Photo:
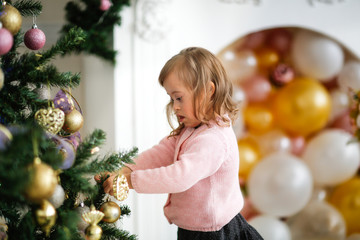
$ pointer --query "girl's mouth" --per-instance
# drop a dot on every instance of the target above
(181, 118)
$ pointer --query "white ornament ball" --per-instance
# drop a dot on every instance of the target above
(58, 197)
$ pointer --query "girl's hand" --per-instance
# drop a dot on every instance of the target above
(109, 179)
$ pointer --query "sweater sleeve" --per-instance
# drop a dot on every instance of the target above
(201, 158)
(159, 155)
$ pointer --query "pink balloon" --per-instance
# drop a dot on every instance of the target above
(280, 39)
(345, 122)
(257, 88)
(297, 145)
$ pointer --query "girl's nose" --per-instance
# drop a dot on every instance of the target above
(176, 107)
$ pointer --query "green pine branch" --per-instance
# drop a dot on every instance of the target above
(28, 8)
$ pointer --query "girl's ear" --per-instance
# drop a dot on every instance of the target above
(212, 88)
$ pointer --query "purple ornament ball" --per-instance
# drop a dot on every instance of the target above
(63, 102)
(66, 149)
(6, 41)
(34, 39)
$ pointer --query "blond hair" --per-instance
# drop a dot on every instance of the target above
(198, 67)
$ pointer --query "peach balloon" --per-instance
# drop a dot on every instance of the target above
(258, 118)
(248, 155)
(302, 106)
(257, 88)
(346, 198)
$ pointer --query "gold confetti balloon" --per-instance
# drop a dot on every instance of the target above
(43, 180)
(10, 18)
(73, 121)
(111, 211)
(45, 216)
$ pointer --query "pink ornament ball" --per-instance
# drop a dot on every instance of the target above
(105, 5)
(34, 39)
(6, 41)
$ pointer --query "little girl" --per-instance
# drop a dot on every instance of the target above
(198, 163)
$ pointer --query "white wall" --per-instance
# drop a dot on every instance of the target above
(140, 102)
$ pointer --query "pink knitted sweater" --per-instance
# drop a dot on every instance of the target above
(199, 170)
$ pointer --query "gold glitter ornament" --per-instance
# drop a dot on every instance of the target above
(51, 119)
(111, 211)
(10, 18)
(120, 188)
(93, 231)
(45, 216)
(73, 121)
(42, 183)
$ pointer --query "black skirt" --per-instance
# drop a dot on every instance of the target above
(236, 229)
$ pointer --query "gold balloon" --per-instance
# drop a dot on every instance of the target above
(249, 156)
(42, 183)
(73, 121)
(346, 198)
(10, 18)
(267, 57)
(45, 216)
(258, 118)
(302, 107)
(111, 211)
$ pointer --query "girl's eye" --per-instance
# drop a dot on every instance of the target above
(178, 99)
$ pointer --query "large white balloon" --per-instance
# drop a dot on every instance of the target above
(318, 220)
(280, 185)
(270, 228)
(331, 158)
(316, 56)
(349, 76)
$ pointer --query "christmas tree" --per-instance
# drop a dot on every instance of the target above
(45, 165)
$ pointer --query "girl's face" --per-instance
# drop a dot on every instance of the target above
(182, 99)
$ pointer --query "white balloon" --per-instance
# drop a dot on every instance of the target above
(318, 220)
(270, 228)
(239, 65)
(316, 56)
(331, 158)
(280, 185)
(272, 141)
(340, 103)
(349, 76)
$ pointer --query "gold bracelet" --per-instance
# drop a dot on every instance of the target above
(120, 187)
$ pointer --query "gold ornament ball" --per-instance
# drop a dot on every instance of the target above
(111, 211)
(10, 18)
(73, 121)
(43, 181)
(93, 232)
(45, 216)
(2, 78)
